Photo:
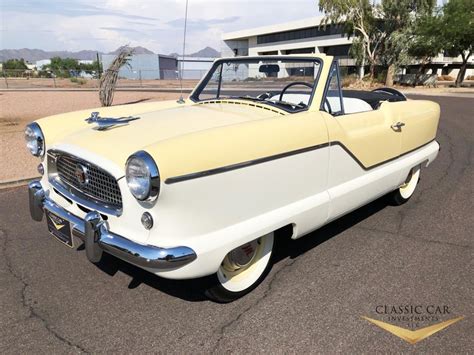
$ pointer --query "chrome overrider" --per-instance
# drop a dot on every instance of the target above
(93, 230)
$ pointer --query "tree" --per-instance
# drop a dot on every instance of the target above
(360, 18)
(399, 19)
(457, 32)
(62, 67)
(15, 64)
(426, 43)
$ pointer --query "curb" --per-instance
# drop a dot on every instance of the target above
(16, 183)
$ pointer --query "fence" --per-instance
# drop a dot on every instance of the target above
(27, 79)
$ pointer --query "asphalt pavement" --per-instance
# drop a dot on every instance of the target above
(52, 300)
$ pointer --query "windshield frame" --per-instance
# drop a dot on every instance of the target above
(194, 96)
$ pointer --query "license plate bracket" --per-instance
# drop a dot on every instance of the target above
(60, 228)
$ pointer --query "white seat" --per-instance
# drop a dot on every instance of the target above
(293, 98)
(351, 105)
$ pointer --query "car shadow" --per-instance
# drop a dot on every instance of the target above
(136, 101)
(192, 290)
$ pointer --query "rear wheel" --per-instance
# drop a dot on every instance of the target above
(242, 270)
(404, 192)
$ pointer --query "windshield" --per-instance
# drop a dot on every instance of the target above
(286, 83)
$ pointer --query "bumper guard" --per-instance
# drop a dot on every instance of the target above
(97, 238)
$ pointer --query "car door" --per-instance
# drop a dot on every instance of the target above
(361, 145)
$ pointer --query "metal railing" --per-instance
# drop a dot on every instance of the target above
(139, 78)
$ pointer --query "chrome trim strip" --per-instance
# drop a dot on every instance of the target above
(94, 231)
(200, 174)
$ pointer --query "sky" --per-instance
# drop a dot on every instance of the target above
(105, 25)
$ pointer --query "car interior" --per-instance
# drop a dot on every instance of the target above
(354, 101)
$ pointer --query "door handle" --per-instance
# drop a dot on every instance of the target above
(397, 126)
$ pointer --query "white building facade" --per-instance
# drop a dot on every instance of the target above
(297, 37)
(307, 36)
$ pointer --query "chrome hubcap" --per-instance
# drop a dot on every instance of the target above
(242, 256)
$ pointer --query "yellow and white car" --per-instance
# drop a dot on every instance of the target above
(200, 188)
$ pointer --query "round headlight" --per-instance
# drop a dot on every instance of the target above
(34, 139)
(142, 176)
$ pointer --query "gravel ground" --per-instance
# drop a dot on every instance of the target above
(19, 108)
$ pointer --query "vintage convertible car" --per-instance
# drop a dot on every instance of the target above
(200, 188)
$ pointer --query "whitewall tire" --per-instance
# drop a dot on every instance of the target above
(404, 192)
(242, 270)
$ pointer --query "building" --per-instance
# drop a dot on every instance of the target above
(41, 63)
(145, 66)
(298, 37)
(307, 36)
(194, 67)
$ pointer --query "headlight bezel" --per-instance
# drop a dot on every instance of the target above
(38, 135)
(154, 176)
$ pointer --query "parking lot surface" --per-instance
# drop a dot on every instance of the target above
(52, 300)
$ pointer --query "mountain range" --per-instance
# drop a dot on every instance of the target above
(32, 55)
(207, 52)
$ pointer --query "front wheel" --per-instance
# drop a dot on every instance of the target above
(242, 270)
(404, 192)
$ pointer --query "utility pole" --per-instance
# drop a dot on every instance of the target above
(98, 65)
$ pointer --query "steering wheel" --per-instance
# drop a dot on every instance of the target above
(265, 95)
(293, 84)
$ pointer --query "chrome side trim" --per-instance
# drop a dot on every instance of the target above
(94, 231)
(200, 174)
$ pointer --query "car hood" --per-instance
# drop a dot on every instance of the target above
(117, 143)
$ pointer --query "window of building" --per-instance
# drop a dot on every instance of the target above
(268, 53)
(299, 34)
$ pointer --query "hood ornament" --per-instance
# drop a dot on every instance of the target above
(104, 123)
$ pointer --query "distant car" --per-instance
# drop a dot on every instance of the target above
(263, 144)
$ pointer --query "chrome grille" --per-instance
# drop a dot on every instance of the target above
(101, 186)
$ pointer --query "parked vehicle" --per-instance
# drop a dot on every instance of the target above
(262, 144)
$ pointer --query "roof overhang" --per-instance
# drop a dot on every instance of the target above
(287, 26)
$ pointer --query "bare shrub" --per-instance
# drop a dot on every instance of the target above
(108, 81)
(445, 78)
(349, 80)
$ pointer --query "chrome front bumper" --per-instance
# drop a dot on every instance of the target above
(97, 238)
